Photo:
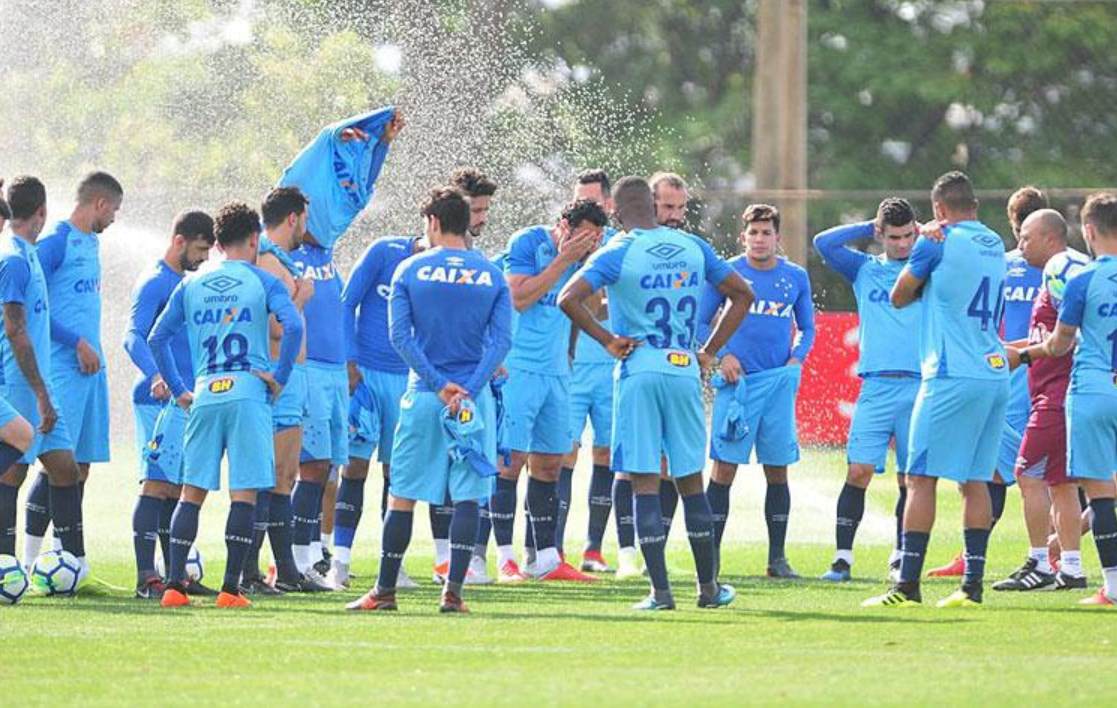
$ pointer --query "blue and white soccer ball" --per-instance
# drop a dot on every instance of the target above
(13, 580)
(194, 568)
(1060, 269)
(56, 573)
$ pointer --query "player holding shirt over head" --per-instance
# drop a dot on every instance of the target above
(191, 239)
(537, 396)
(761, 369)
(25, 351)
(450, 313)
(654, 278)
(964, 388)
(225, 311)
(888, 366)
(70, 255)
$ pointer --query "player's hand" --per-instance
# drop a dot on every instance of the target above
(706, 361)
(304, 290)
(395, 125)
(933, 230)
(452, 395)
(185, 400)
(88, 360)
(731, 369)
(48, 417)
(1013, 357)
(354, 133)
(355, 377)
(160, 391)
(620, 347)
(793, 361)
(500, 373)
(574, 246)
(274, 387)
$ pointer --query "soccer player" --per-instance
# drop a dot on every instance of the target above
(1041, 467)
(70, 255)
(29, 388)
(478, 189)
(888, 366)
(761, 369)
(191, 239)
(959, 412)
(654, 279)
(537, 396)
(225, 312)
(1088, 316)
(450, 313)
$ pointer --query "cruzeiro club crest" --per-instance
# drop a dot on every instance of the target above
(221, 284)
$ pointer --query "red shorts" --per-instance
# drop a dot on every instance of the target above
(1043, 451)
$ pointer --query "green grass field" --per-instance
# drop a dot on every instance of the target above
(797, 642)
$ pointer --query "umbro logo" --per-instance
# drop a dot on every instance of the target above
(665, 251)
(221, 284)
(987, 240)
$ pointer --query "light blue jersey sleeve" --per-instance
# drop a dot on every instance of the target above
(716, 269)
(497, 343)
(364, 275)
(402, 334)
(604, 266)
(15, 273)
(925, 257)
(521, 254)
(804, 318)
(831, 245)
(52, 252)
(1073, 309)
(280, 305)
(145, 308)
(172, 319)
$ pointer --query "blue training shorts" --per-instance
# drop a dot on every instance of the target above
(240, 430)
(144, 415)
(956, 428)
(7, 412)
(654, 415)
(289, 409)
(22, 399)
(537, 413)
(882, 414)
(769, 403)
(421, 467)
(1092, 436)
(161, 459)
(326, 425)
(84, 401)
(591, 396)
(387, 388)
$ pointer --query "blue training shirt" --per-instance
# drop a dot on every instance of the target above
(1022, 286)
(22, 281)
(150, 296)
(224, 311)
(654, 279)
(71, 261)
(1090, 303)
(325, 330)
(588, 350)
(886, 333)
(366, 304)
(963, 300)
(783, 298)
(450, 317)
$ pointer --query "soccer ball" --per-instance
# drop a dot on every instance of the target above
(194, 568)
(56, 573)
(1061, 268)
(13, 580)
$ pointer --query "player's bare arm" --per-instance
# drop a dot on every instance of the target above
(739, 298)
(1058, 343)
(907, 289)
(527, 289)
(573, 299)
(15, 329)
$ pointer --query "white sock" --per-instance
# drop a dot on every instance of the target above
(55, 543)
(325, 540)
(895, 556)
(302, 557)
(342, 555)
(846, 556)
(505, 554)
(627, 553)
(1110, 581)
(32, 545)
(1039, 555)
(441, 550)
(1071, 563)
(315, 552)
(546, 560)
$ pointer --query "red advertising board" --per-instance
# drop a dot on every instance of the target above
(830, 384)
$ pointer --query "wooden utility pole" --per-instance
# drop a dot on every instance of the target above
(779, 127)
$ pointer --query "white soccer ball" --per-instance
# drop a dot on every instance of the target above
(56, 573)
(13, 580)
(194, 568)
(1060, 269)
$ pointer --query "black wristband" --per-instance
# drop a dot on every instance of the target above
(1025, 357)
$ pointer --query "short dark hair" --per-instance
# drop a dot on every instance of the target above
(762, 212)
(955, 190)
(194, 224)
(448, 205)
(1022, 203)
(669, 178)
(1100, 211)
(235, 223)
(596, 177)
(26, 195)
(280, 203)
(98, 184)
(894, 211)
(582, 210)
(472, 182)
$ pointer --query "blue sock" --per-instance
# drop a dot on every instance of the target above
(484, 528)
(393, 544)
(700, 531)
(384, 491)
(976, 543)
(38, 506)
(997, 493)
(184, 529)
(65, 512)
(166, 511)
(306, 505)
(913, 551)
(463, 534)
(347, 511)
(8, 508)
(718, 496)
(564, 490)
(529, 534)
(600, 504)
(851, 509)
(653, 538)
(622, 509)
(1104, 528)
(502, 509)
(440, 516)
(145, 532)
(261, 517)
(542, 504)
(777, 506)
(280, 528)
(668, 502)
(238, 541)
(901, 504)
